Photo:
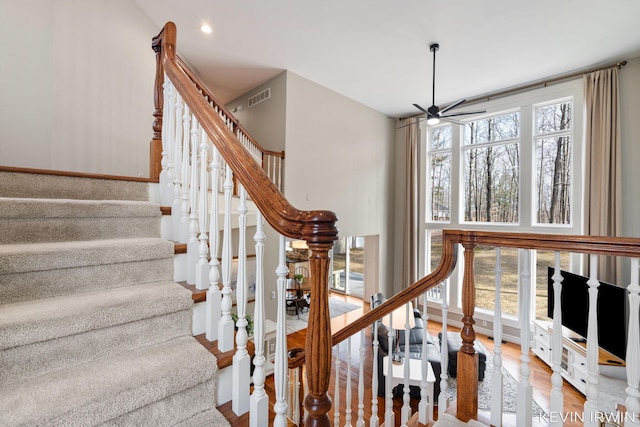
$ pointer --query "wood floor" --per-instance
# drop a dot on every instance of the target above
(540, 377)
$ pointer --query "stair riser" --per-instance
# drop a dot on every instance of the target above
(32, 285)
(29, 361)
(17, 184)
(37, 230)
(117, 386)
(171, 410)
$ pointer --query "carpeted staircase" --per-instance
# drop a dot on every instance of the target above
(93, 330)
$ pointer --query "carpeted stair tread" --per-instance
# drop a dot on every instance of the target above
(108, 388)
(52, 186)
(31, 285)
(11, 207)
(20, 258)
(40, 358)
(41, 320)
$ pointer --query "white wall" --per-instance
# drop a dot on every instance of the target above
(340, 157)
(76, 79)
(630, 129)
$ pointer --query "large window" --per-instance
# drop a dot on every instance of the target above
(515, 168)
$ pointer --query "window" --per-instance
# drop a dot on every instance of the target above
(515, 168)
(492, 168)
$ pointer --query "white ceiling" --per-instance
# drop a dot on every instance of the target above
(377, 51)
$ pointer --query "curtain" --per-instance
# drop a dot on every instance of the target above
(410, 227)
(603, 175)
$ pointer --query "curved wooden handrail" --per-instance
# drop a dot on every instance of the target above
(312, 226)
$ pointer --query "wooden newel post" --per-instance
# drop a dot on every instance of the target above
(155, 148)
(318, 345)
(467, 404)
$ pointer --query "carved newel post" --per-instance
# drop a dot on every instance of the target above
(467, 404)
(318, 345)
(155, 148)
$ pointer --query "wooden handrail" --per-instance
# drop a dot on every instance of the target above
(313, 226)
(211, 97)
(317, 228)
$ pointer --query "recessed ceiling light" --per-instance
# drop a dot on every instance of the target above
(205, 28)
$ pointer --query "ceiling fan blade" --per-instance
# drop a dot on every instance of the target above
(420, 108)
(464, 113)
(452, 106)
(450, 120)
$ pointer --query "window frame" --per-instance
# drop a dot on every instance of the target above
(526, 103)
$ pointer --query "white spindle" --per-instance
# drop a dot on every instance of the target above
(176, 210)
(556, 397)
(281, 362)
(632, 403)
(347, 414)
(525, 395)
(184, 179)
(225, 327)
(360, 422)
(591, 404)
(425, 404)
(214, 296)
(496, 376)
(165, 198)
(241, 360)
(192, 243)
(202, 269)
(375, 420)
(336, 395)
(389, 416)
(443, 400)
(406, 398)
(259, 405)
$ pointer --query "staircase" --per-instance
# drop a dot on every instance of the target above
(93, 330)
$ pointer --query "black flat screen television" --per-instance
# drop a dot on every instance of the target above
(611, 309)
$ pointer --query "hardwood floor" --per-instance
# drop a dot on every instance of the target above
(540, 377)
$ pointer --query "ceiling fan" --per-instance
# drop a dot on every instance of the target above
(434, 113)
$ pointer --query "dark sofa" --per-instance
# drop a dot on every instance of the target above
(417, 335)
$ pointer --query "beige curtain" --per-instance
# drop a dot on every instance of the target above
(603, 174)
(410, 227)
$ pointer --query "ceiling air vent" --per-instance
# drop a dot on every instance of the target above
(259, 97)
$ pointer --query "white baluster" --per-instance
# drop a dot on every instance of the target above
(406, 398)
(259, 405)
(496, 376)
(443, 400)
(425, 407)
(374, 421)
(556, 397)
(214, 296)
(176, 210)
(241, 360)
(171, 143)
(525, 395)
(184, 179)
(632, 403)
(225, 327)
(591, 404)
(281, 362)
(192, 243)
(360, 422)
(389, 416)
(202, 269)
(336, 395)
(166, 138)
(348, 398)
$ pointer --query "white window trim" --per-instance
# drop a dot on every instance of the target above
(525, 102)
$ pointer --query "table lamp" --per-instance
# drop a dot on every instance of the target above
(397, 321)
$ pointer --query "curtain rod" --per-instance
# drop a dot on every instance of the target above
(535, 84)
